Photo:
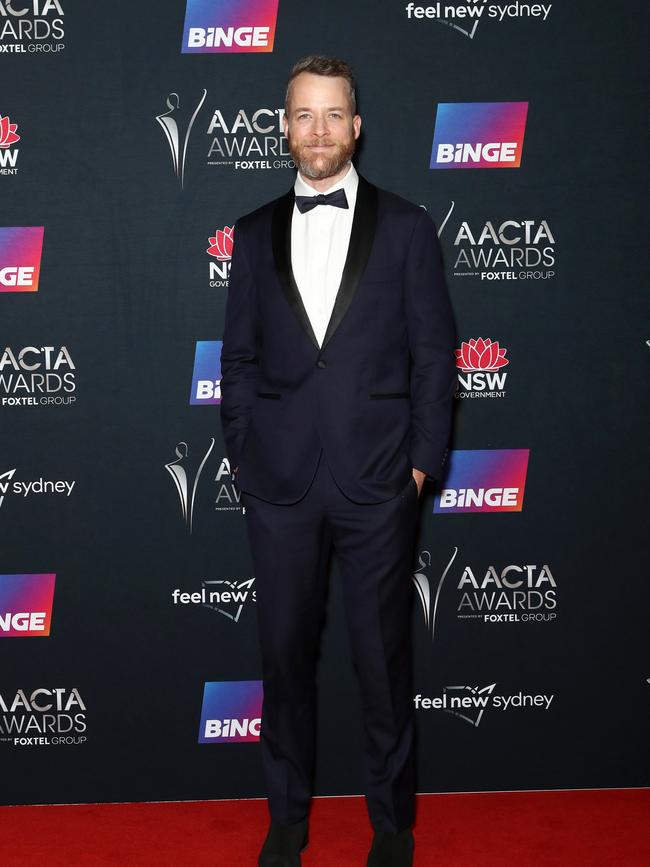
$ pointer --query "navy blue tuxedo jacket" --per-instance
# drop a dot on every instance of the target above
(377, 395)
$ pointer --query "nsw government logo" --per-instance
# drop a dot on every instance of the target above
(231, 712)
(480, 362)
(220, 250)
(8, 153)
(483, 480)
(206, 379)
(479, 135)
(20, 257)
(229, 26)
(26, 605)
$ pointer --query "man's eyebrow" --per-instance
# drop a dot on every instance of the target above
(331, 108)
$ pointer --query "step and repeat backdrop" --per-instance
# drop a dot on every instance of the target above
(132, 136)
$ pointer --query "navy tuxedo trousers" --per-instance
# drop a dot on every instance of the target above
(373, 542)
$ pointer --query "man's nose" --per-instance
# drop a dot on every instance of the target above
(320, 125)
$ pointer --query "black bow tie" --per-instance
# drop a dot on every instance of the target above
(338, 199)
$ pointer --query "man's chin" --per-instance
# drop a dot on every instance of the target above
(319, 168)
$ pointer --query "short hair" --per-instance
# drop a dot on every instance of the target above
(318, 64)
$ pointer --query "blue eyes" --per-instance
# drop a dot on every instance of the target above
(333, 115)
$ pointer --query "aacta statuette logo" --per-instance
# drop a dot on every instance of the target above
(37, 376)
(479, 135)
(231, 712)
(26, 605)
(423, 586)
(21, 248)
(8, 153)
(177, 129)
(186, 480)
(34, 26)
(227, 26)
(479, 362)
(47, 716)
(220, 250)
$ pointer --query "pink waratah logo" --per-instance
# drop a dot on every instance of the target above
(221, 244)
(480, 355)
(8, 134)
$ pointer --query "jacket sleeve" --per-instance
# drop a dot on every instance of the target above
(432, 339)
(240, 351)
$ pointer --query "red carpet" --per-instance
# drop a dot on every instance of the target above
(526, 829)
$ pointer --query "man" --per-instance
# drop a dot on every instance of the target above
(338, 376)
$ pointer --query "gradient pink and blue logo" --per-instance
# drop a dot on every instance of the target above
(231, 712)
(479, 135)
(206, 381)
(228, 26)
(26, 605)
(483, 480)
(20, 258)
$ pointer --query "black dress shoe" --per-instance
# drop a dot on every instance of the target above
(283, 845)
(391, 850)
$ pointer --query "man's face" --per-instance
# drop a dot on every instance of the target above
(319, 125)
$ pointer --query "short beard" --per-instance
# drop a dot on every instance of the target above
(328, 165)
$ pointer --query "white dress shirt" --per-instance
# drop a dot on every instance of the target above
(319, 246)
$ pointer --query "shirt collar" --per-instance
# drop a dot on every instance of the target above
(348, 182)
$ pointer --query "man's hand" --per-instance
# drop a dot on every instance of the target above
(419, 477)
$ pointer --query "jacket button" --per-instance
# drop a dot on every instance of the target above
(321, 363)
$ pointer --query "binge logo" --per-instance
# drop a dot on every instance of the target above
(484, 480)
(229, 26)
(20, 258)
(206, 381)
(479, 135)
(26, 605)
(231, 712)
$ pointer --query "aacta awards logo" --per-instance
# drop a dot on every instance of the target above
(231, 712)
(26, 605)
(47, 716)
(177, 123)
(21, 248)
(479, 135)
(220, 250)
(483, 480)
(228, 26)
(244, 139)
(480, 362)
(206, 379)
(500, 250)
(514, 593)
(34, 26)
(37, 376)
(8, 153)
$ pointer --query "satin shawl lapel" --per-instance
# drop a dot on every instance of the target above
(364, 224)
(281, 240)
